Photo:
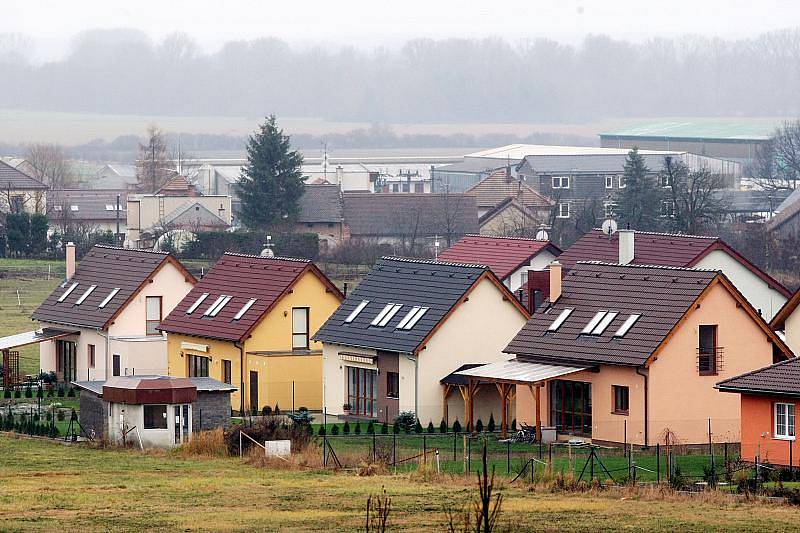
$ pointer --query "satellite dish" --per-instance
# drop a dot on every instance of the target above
(609, 226)
(542, 235)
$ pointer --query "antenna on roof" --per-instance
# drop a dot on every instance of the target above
(267, 251)
(541, 234)
(609, 226)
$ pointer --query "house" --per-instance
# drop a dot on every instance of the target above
(108, 310)
(631, 353)
(249, 322)
(20, 192)
(509, 218)
(787, 322)
(115, 176)
(94, 209)
(770, 398)
(509, 258)
(501, 186)
(153, 411)
(408, 325)
(322, 212)
(764, 292)
(409, 222)
(786, 222)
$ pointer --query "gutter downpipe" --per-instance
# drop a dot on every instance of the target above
(414, 357)
(646, 405)
(108, 348)
(240, 346)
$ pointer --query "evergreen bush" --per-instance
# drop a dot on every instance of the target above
(60, 415)
(395, 429)
(491, 426)
(514, 425)
(479, 426)
(71, 393)
(442, 427)
(346, 428)
(357, 429)
(431, 429)
(335, 429)
(277, 410)
(17, 393)
(321, 432)
(417, 427)
(371, 428)
(61, 392)
(384, 429)
(7, 393)
(405, 421)
(456, 426)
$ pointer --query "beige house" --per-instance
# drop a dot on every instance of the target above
(20, 192)
(408, 326)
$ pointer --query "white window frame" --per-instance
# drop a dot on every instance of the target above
(560, 213)
(560, 180)
(667, 213)
(608, 208)
(609, 182)
(621, 182)
(788, 418)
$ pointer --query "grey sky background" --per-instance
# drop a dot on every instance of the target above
(51, 24)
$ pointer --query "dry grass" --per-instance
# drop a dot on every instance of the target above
(204, 444)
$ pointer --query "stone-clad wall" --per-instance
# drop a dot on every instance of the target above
(211, 410)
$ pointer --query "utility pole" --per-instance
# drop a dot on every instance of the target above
(119, 237)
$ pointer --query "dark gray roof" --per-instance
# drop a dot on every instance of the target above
(14, 179)
(321, 203)
(781, 378)
(438, 286)
(193, 214)
(661, 295)
(92, 204)
(588, 163)
(202, 384)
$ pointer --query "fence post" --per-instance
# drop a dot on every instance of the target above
(464, 452)
(469, 455)
(540, 449)
(625, 436)
(711, 451)
(658, 462)
(394, 448)
(508, 457)
(455, 440)
(374, 442)
(424, 449)
(790, 461)
(292, 396)
(550, 455)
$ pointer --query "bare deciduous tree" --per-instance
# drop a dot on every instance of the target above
(695, 200)
(153, 166)
(777, 162)
(49, 164)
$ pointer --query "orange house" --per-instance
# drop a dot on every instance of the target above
(770, 398)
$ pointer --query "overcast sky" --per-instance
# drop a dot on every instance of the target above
(52, 23)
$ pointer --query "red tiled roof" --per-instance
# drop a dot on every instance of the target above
(503, 255)
(242, 277)
(667, 249)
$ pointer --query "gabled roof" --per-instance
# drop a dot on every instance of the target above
(781, 378)
(192, 214)
(405, 214)
(504, 255)
(14, 179)
(668, 249)
(439, 287)
(785, 212)
(321, 203)
(92, 204)
(496, 188)
(778, 322)
(178, 186)
(243, 278)
(109, 268)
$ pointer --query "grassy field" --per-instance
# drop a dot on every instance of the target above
(48, 486)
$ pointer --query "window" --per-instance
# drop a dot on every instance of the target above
(627, 325)
(784, 421)
(90, 355)
(299, 328)
(667, 209)
(73, 208)
(196, 304)
(666, 180)
(412, 317)
(563, 210)
(67, 292)
(386, 314)
(395, 187)
(707, 350)
(561, 182)
(155, 417)
(621, 180)
(560, 320)
(198, 366)
(593, 322)
(85, 294)
(419, 187)
(56, 208)
(226, 371)
(153, 304)
(360, 307)
(571, 407)
(108, 298)
(406, 187)
(217, 306)
(116, 368)
(609, 182)
(67, 360)
(621, 395)
(608, 208)
(246, 307)
(606, 320)
(362, 391)
(392, 385)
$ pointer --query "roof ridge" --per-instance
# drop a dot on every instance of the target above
(281, 258)
(665, 234)
(663, 267)
(122, 248)
(433, 262)
(504, 237)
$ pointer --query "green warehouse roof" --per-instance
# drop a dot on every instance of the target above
(733, 129)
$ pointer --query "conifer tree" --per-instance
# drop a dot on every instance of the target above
(639, 204)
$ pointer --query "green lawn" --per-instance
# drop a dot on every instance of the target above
(50, 486)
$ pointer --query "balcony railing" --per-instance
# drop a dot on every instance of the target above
(710, 361)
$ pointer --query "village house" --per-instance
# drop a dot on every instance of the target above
(92, 209)
(104, 317)
(249, 322)
(769, 400)
(322, 213)
(786, 322)
(631, 353)
(20, 192)
(509, 258)
(765, 293)
(408, 325)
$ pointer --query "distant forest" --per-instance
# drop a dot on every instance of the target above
(426, 80)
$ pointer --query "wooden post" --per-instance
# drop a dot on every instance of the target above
(536, 387)
(445, 413)
(504, 389)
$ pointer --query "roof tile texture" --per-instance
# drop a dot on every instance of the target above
(503, 255)
(496, 187)
(780, 378)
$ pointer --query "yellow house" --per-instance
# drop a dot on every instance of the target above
(249, 322)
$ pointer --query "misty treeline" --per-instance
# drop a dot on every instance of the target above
(487, 80)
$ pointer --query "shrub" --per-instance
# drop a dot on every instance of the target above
(61, 392)
(7, 393)
(395, 429)
(28, 392)
(677, 480)
(321, 431)
(443, 427)
(71, 393)
(479, 426)
(370, 428)
(431, 429)
(36, 417)
(405, 421)
(266, 410)
(357, 429)
(514, 425)
(17, 394)
(53, 432)
(49, 416)
(346, 428)
(384, 429)
(277, 410)
(417, 427)
(39, 392)
(50, 392)
(335, 429)
(456, 426)
(491, 426)
(60, 415)
(302, 418)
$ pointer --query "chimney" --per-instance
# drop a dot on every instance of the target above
(339, 175)
(538, 288)
(555, 281)
(626, 249)
(70, 249)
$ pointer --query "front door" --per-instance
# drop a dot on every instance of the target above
(253, 391)
(66, 360)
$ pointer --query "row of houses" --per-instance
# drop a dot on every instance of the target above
(620, 338)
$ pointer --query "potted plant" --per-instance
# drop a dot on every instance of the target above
(346, 408)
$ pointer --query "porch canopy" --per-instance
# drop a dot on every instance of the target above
(505, 375)
(11, 359)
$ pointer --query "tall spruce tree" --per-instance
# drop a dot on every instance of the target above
(639, 203)
(271, 184)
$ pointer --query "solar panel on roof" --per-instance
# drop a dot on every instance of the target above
(196, 304)
(108, 298)
(560, 319)
(627, 325)
(593, 322)
(67, 292)
(86, 294)
(360, 307)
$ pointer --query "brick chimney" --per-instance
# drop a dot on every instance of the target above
(70, 249)
(555, 281)
(626, 246)
(538, 288)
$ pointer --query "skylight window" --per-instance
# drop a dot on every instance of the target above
(73, 208)
(593, 322)
(360, 307)
(108, 298)
(601, 327)
(67, 292)
(560, 319)
(221, 302)
(386, 314)
(196, 304)
(408, 317)
(245, 308)
(627, 325)
(85, 294)
(411, 319)
(214, 305)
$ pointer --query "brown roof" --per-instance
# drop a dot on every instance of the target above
(668, 249)
(504, 255)
(108, 268)
(178, 186)
(14, 179)
(781, 378)
(779, 320)
(496, 188)
(399, 214)
(242, 277)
